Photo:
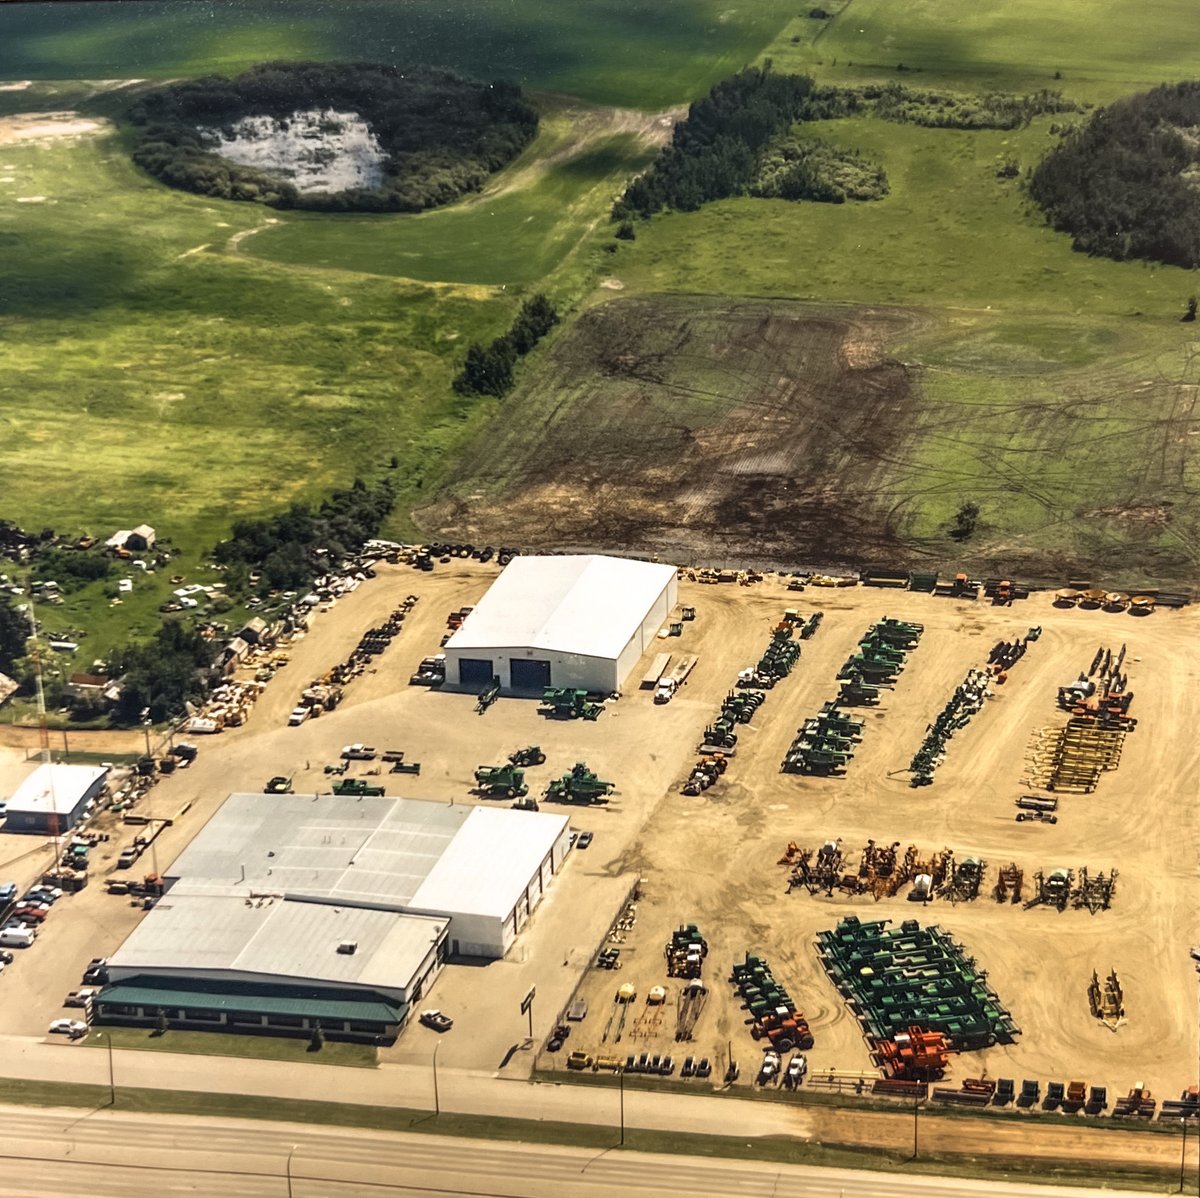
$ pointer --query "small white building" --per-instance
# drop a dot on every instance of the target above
(579, 621)
(54, 798)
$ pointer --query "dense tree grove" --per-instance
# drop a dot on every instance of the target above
(163, 675)
(73, 569)
(735, 141)
(283, 547)
(714, 153)
(797, 169)
(14, 630)
(443, 135)
(488, 370)
(1123, 185)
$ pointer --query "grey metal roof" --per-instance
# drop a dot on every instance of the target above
(366, 850)
(296, 940)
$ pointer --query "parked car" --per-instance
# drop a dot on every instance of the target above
(37, 914)
(68, 1027)
(437, 1021)
(703, 1067)
(558, 1036)
(82, 997)
(585, 838)
(688, 1068)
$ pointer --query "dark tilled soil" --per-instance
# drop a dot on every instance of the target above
(701, 430)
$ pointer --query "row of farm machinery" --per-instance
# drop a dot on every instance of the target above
(741, 704)
(882, 871)
(825, 743)
(579, 785)
(966, 702)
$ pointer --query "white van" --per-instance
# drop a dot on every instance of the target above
(17, 937)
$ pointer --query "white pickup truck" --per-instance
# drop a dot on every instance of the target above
(298, 716)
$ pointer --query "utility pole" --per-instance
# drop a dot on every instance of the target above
(437, 1104)
(916, 1124)
(112, 1084)
(291, 1153)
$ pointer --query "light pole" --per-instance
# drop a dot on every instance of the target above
(1195, 955)
(288, 1167)
(437, 1103)
(146, 727)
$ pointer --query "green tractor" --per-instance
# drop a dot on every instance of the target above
(501, 780)
(581, 785)
(356, 786)
(530, 755)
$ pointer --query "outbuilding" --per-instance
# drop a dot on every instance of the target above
(54, 798)
(575, 621)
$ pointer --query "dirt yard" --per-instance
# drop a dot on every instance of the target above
(712, 859)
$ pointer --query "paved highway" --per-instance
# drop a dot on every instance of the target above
(50, 1153)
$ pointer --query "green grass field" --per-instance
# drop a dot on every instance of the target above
(1100, 48)
(950, 234)
(518, 231)
(222, 1044)
(639, 53)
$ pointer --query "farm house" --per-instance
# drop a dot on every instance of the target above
(573, 621)
(288, 909)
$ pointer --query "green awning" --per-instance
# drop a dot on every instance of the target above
(369, 1010)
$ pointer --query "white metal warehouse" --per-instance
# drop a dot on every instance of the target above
(54, 798)
(291, 909)
(572, 621)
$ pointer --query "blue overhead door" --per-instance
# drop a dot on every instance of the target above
(475, 671)
(530, 674)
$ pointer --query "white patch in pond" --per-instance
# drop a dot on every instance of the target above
(318, 150)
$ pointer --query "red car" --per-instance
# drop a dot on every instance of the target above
(35, 913)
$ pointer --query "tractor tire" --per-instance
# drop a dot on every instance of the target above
(540, 759)
(511, 792)
(783, 1044)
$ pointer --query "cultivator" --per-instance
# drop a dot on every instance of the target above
(567, 703)
(775, 1017)
(1053, 889)
(1094, 890)
(900, 978)
(1010, 882)
(689, 1006)
(815, 872)
(581, 785)
(963, 879)
(1071, 759)
(1107, 1001)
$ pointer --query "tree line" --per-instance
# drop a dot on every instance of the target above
(488, 369)
(737, 139)
(283, 548)
(1123, 184)
(442, 135)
